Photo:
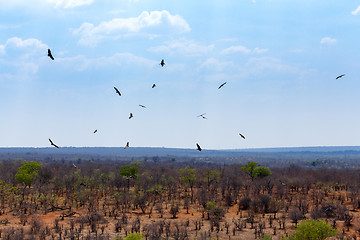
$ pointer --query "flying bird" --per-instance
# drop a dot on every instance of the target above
(74, 165)
(162, 63)
(131, 115)
(50, 55)
(154, 85)
(242, 136)
(202, 115)
(127, 145)
(222, 85)
(95, 131)
(142, 106)
(198, 147)
(340, 76)
(53, 144)
(117, 91)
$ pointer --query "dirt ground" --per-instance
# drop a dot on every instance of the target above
(193, 215)
(11, 220)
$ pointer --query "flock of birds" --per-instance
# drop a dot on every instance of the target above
(162, 63)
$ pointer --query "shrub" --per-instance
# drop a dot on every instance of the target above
(134, 236)
(313, 230)
(266, 237)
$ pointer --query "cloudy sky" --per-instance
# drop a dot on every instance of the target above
(279, 58)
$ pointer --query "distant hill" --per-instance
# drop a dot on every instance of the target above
(181, 152)
(335, 157)
(301, 149)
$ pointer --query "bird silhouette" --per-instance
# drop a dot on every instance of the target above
(131, 116)
(198, 147)
(340, 76)
(142, 106)
(95, 131)
(50, 55)
(202, 115)
(242, 136)
(127, 145)
(117, 91)
(53, 144)
(154, 85)
(162, 63)
(222, 85)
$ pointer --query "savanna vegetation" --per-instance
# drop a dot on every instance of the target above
(169, 200)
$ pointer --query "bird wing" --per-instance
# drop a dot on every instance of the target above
(340, 76)
(50, 55)
(53, 144)
(222, 85)
(117, 91)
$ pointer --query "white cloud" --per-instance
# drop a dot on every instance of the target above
(91, 34)
(27, 43)
(183, 47)
(242, 49)
(234, 49)
(22, 57)
(260, 50)
(274, 66)
(356, 11)
(71, 3)
(328, 40)
(82, 63)
(26, 47)
(2, 49)
(214, 64)
(44, 3)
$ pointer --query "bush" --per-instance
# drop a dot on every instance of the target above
(313, 230)
(134, 236)
(266, 237)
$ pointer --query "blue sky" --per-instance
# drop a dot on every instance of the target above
(279, 59)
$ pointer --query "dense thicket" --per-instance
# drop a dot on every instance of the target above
(162, 200)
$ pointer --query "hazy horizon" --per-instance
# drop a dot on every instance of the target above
(280, 60)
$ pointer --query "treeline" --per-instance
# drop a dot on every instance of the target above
(266, 157)
(108, 199)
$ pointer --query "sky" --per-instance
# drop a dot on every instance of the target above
(279, 59)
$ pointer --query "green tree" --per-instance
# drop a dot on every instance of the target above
(132, 236)
(27, 172)
(261, 171)
(255, 171)
(212, 175)
(209, 207)
(313, 230)
(130, 172)
(266, 237)
(187, 175)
